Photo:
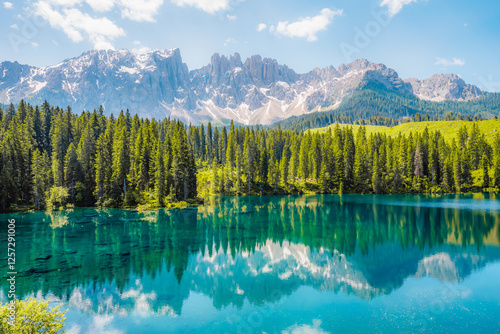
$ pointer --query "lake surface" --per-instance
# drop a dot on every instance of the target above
(282, 264)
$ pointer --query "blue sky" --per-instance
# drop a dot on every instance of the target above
(417, 38)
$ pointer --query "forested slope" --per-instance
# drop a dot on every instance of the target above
(51, 157)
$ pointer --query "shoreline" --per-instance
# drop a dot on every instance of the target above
(182, 205)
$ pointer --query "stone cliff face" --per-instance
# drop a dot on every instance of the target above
(159, 84)
(442, 87)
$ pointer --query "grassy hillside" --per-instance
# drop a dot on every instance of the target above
(449, 129)
(375, 101)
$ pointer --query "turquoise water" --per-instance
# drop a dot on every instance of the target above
(289, 264)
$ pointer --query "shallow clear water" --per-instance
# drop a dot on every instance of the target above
(294, 264)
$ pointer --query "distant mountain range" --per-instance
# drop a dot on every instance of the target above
(256, 91)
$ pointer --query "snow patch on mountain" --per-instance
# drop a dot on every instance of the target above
(159, 84)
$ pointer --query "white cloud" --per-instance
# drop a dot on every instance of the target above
(446, 62)
(209, 6)
(140, 10)
(136, 10)
(70, 17)
(33, 44)
(64, 3)
(77, 25)
(101, 5)
(55, 42)
(8, 5)
(261, 26)
(14, 26)
(305, 329)
(231, 17)
(307, 27)
(140, 49)
(229, 41)
(394, 6)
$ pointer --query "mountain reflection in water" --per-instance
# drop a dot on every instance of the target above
(254, 249)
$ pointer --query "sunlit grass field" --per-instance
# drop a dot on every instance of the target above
(449, 129)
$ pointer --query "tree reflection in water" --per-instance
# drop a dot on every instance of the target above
(233, 249)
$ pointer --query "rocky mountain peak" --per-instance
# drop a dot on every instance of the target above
(357, 65)
(158, 83)
(441, 87)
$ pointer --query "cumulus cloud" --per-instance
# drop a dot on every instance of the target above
(14, 26)
(140, 10)
(307, 27)
(229, 41)
(101, 5)
(71, 17)
(139, 48)
(446, 62)
(231, 17)
(136, 10)
(261, 27)
(394, 6)
(64, 3)
(209, 6)
(8, 5)
(78, 26)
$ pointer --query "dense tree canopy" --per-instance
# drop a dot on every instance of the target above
(50, 156)
(376, 105)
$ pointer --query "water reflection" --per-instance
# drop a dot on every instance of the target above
(254, 249)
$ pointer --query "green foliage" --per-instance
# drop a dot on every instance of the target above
(32, 316)
(54, 157)
(92, 159)
(448, 129)
(376, 105)
(58, 196)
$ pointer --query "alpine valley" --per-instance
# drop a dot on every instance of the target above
(256, 91)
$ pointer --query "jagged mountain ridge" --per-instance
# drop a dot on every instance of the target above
(282, 269)
(256, 91)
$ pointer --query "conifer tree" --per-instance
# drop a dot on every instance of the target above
(239, 164)
(361, 168)
(72, 170)
(376, 176)
(448, 180)
(10, 112)
(215, 144)
(47, 125)
(294, 158)
(496, 167)
(160, 173)
(249, 156)
(121, 157)
(215, 178)
(38, 174)
(304, 158)
(419, 163)
(315, 157)
(486, 176)
(103, 164)
(264, 166)
(209, 148)
(349, 155)
(273, 171)
(284, 168)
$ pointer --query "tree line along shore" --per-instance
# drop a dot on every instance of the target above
(52, 157)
